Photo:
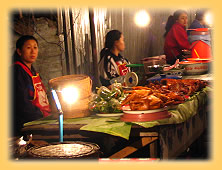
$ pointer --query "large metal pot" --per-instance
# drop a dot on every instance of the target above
(194, 67)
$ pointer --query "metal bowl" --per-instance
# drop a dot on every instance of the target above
(194, 68)
(173, 71)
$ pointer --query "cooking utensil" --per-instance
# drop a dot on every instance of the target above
(194, 67)
(174, 71)
(155, 68)
(65, 150)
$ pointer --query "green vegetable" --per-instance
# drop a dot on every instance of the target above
(102, 90)
(95, 97)
(117, 92)
(103, 106)
(93, 106)
(117, 85)
(106, 100)
(114, 104)
(104, 93)
(121, 99)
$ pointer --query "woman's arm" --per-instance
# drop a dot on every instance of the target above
(181, 37)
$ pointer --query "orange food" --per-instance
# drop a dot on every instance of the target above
(159, 94)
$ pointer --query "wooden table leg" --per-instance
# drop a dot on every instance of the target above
(153, 149)
(134, 147)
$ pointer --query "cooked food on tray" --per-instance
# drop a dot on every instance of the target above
(160, 94)
(155, 95)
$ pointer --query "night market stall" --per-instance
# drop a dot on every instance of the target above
(154, 111)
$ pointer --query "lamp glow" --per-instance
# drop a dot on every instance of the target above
(70, 94)
(209, 18)
(142, 18)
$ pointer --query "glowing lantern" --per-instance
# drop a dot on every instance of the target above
(142, 18)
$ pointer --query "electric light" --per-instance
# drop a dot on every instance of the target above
(208, 18)
(70, 94)
(142, 18)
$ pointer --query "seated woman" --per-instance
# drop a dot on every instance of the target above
(112, 64)
(176, 38)
(199, 21)
(30, 98)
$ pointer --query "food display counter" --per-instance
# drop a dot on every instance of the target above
(164, 139)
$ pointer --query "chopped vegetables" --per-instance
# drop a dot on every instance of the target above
(106, 100)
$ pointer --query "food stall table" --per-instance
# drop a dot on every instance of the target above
(207, 77)
(164, 139)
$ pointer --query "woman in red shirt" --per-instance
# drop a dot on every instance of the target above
(176, 38)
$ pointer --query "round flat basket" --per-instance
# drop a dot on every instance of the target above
(63, 150)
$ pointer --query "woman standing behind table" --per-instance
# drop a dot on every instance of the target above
(176, 38)
(112, 64)
(30, 98)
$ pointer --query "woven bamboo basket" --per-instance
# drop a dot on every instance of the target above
(83, 84)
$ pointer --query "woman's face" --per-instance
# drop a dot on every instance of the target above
(120, 44)
(183, 19)
(29, 52)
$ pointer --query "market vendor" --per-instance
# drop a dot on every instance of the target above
(30, 98)
(112, 64)
(176, 39)
(199, 21)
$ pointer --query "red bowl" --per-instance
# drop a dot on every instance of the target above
(145, 117)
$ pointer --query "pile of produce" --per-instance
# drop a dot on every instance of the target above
(164, 93)
(107, 100)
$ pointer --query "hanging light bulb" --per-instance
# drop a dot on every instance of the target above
(142, 18)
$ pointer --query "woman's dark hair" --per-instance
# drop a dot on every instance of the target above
(19, 44)
(172, 19)
(110, 39)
